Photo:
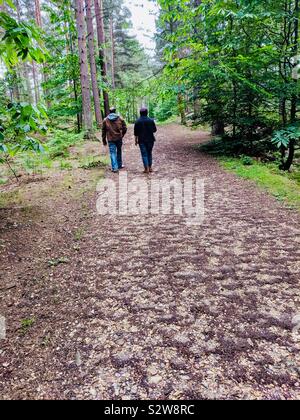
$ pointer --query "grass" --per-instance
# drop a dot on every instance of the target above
(171, 120)
(78, 234)
(9, 198)
(284, 186)
(26, 324)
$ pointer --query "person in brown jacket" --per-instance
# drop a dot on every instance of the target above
(113, 130)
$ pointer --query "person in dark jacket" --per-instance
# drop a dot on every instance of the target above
(144, 130)
(113, 130)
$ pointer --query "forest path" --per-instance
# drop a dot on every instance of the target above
(149, 307)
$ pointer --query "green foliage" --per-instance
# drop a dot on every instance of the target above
(8, 2)
(65, 165)
(19, 42)
(247, 160)
(236, 60)
(227, 146)
(283, 137)
(61, 141)
(16, 124)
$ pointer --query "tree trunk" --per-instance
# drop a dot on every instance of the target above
(17, 3)
(101, 43)
(84, 70)
(74, 78)
(38, 20)
(38, 15)
(218, 128)
(27, 84)
(181, 108)
(294, 101)
(26, 90)
(35, 83)
(295, 53)
(112, 42)
(282, 111)
(196, 103)
(90, 28)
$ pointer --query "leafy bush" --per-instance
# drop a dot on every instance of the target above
(246, 160)
(61, 141)
(228, 146)
(20, 41)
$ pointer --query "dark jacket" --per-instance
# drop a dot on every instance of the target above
(113, 129)
(144, 130)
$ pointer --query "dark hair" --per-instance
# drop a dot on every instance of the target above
(112, 109)
(144, 112)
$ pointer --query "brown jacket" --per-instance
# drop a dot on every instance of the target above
(113, 129)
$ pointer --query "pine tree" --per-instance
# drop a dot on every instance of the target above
(84, 69)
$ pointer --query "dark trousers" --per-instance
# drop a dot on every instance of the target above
(146, 152)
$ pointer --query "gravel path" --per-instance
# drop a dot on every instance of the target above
(147, 307)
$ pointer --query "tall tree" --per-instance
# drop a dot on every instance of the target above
(84, 70)
(35, 82)
(101, 43)
(112, 47)
(38, 14)
(91, 39)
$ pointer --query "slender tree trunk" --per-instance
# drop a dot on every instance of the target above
(35, 83)
(181, 108)
(218, 128)
(101, 43)
(27, 83)
(38, 15)
(17, 4)
(90, 28)
(112, 42)
(282, 111)
(294, 100)
(17, 88)
(295, 53)
(73, 81)
(84, 70)
(235, 107)
(38, 19)
(26, 90)
(196, 102)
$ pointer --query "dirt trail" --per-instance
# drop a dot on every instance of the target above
(146, 306)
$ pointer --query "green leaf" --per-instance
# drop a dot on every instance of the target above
(9, 2)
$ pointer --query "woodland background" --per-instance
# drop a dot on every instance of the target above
(228, 66)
